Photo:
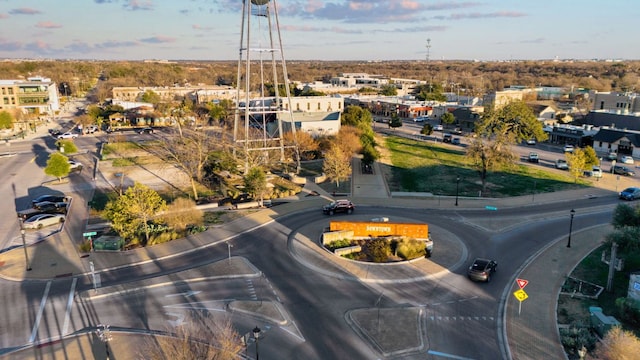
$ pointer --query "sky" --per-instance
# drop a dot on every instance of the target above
(485, 30)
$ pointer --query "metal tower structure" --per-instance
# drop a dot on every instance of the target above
(428, 48)
(263, 102)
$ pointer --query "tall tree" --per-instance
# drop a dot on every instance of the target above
(255, 183)
(58, 166)
(395, 121)
(6, 120)
(336, 166)
(448, 118)
(356, 116)
(134, 209)
(577, 162)
(514, 121)
(487, 155)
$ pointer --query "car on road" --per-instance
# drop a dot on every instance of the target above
(455, 141)
(632, 193)
(446, 138)
(145, 130)
(531, 142)
(51, 207)
(482, 269)
(68, 135)
(627, 160)
(91, 129)
(75, 166)
(420, 119)
(612, 156)
(562, 164)
(533, 157)
(438, 128)
(49, 197)
(339, 206)
(623, 170)
(568, 148)
(43, 220)
(55, 132)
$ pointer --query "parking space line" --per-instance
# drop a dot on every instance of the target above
(36, 325)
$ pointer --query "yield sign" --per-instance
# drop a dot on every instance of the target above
(522, 283)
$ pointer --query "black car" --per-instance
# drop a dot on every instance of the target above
(146, 130)
(50, 198)
(51, 207)
(623, 170)
(481, 269)
(339, 206)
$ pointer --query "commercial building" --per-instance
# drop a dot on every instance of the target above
(35, 95)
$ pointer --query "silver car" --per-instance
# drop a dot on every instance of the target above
(43, 220)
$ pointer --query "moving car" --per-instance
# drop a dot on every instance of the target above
(533, 157)
(49, 197)
(146, 130)
(42, 220)
(339, 206)
(446, 138)
(91, 129)
(568, 148)
(632, 193)
(438, 128)
(531, 142)
(482, 269)
(562, 164)
(623, 170)
(455, 141)
(68, 135)
(627, 160)
(75, 166)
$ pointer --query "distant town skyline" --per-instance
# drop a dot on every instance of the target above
(322, 30)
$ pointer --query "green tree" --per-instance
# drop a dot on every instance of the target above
(626, 223)
(590, 156)
(448, 118)
(58, 166)
(515, 121)
(336, 165)
(150, 96)
(577, 163)
(395, 121)
(134, 209)
(388, 90)
(6, 120)
(67, 146)
(356, 116)
(255, 183)
(487, 155)
(427, 129)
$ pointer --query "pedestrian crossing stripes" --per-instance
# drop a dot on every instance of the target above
(462, 318)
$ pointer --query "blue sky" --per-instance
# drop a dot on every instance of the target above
(322, 30)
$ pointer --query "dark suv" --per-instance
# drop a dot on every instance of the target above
(344, 206)
(623, 170)
(481, 269)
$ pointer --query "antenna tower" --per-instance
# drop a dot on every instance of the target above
(428, 48)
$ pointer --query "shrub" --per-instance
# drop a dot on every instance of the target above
(85, 246)
(575, 337)
(337, 244)
(163, 237)
(410, 249)
(629, 311)
(378, 250)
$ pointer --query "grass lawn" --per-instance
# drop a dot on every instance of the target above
(418, 166)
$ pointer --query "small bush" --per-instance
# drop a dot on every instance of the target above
(629, 311)
(378, 250)
(164, 237)
(337, 244)
(85, 247)
(575, 337)
(121, 162)
(410, 249)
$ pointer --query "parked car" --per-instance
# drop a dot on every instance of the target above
(42, 220)
(339, 206)
(455, 141)
(533, 157)
(568, 148)
(420, 119)
(438, 128)
(612, 156)
(51, 207)
(562, 164)
(27, 213)
(55, 132)
(482, 269)
(531, 142)
(145, 130)
(446, 138)
(75, 166)
(623, 170)
(627, 160)
(49, 197)
(632, 193)
(68, 135)
(596, 171)
(91, 129)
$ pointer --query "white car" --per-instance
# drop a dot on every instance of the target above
(596, 171)
(562, 164)
(42, 220)
(75, 166)
(67, 135)
(568, 148)
(627, 160)
(438, 128)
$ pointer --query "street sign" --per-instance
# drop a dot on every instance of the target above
(522, 283)
(520, 295)
(92, 233)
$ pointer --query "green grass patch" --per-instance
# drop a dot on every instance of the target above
(419, 166)
(119, 147)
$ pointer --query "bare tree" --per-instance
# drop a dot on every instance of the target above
(336, 165)
(181, 213)
(487, 155)
(199, 337)
(618, 344)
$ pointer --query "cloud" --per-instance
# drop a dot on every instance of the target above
(158, 40)
(10, 46)
(200, 27)
(48, 25)
(39, 46)
(134, 5)
(497, 14)
(24, 11)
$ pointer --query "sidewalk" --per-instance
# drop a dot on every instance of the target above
(532, 334)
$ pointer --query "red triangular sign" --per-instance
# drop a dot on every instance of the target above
(522, 283)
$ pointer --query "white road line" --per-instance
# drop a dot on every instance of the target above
(67, 315)
(34, 332)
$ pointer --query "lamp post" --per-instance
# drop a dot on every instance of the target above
(573, 212)
(24, 246)
(104, 333)
(256, 335)
(457, 188)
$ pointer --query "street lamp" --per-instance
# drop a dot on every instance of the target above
(24, 246)
(573, 212)
(256, 335)
(104, 333)
(457, 188)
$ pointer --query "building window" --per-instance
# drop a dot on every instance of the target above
(318, 106)
(601, 105)
(308, 106)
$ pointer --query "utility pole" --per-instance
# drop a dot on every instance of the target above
(428, 48)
